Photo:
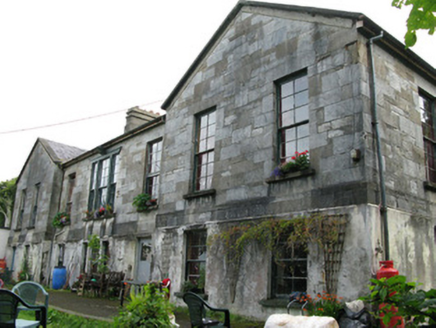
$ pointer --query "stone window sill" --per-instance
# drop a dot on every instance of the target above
(431, 186)
(197, 194)
(291, 176)
(150, 208)
(107, 216)
(279, 303)
(30, 227)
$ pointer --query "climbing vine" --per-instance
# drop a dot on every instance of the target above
(325, 231)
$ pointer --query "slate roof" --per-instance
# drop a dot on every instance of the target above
(60, 152)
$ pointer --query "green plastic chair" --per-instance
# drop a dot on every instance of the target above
(197, 312)
(28, 291)
(9, 303)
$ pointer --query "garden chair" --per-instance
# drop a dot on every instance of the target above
(197, 312)
(28, 291)
(9, 303)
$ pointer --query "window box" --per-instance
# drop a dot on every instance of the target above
(197, 194)
(291, 176)
(143, 202)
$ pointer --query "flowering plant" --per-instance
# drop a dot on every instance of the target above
(298, 162)
(143, 201)
(103, 210)
(61, 219)
(323, 305)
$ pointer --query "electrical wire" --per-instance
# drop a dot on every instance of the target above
(71, 121)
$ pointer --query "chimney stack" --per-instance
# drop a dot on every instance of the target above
(136, 117)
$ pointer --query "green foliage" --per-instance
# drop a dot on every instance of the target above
(94, 242)
(299, 162)
(60, 220)
(98, 260)
(415, 306)
(8, 189)
(275, 234)
(143, 201)
(323, 305)
(148, 308)
(298, 231)
(58, 319)
(421, 17)
(24, 273)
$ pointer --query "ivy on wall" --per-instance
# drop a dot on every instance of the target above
(325, 231)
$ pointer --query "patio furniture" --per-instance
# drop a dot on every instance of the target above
(28, 291)
(197, 312)
(113, 283)
(9, 303)
(297, 297)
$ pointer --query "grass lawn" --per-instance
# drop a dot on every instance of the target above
(57, 319)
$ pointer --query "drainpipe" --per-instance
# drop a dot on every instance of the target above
(383, 208)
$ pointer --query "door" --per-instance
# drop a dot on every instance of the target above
(143, 272)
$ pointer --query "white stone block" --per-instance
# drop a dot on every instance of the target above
(289, 321)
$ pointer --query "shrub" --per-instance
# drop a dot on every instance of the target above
(415, 307)
(299, 162)
(148, 308)
(323, 305)
(61, 219)
(143, 201)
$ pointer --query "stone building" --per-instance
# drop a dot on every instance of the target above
(273, 80)
(36, 201)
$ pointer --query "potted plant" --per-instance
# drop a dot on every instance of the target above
(143, 202)
(61, 219)
(298, 162)
(102, 211)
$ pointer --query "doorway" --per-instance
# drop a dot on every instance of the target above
(143, 269)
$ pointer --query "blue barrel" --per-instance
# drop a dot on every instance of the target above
(59, 277)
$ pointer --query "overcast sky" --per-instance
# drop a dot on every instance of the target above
(64, 60)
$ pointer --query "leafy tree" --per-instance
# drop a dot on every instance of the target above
(421, 17)
(7, 197)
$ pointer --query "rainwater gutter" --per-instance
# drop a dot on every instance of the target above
(383, 207)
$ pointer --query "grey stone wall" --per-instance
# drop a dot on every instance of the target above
(39, 169)
(237, 78)
(123, 229)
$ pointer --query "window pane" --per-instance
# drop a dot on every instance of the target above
(104, 173)
(301, 98)
(211, 131)
(303, 131)
(206, 144)
(287, 104)
(196, 255)
(210, 156)
(212, 118)
(302, 113)
(288, 118)
(303, 145)
(203, 121)
(287, 89)
(202, 146)
(210, 143)
(291, 148)
(289, 272)
(293, 111)
(203, 133)
(291, 134)
(301, 84)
